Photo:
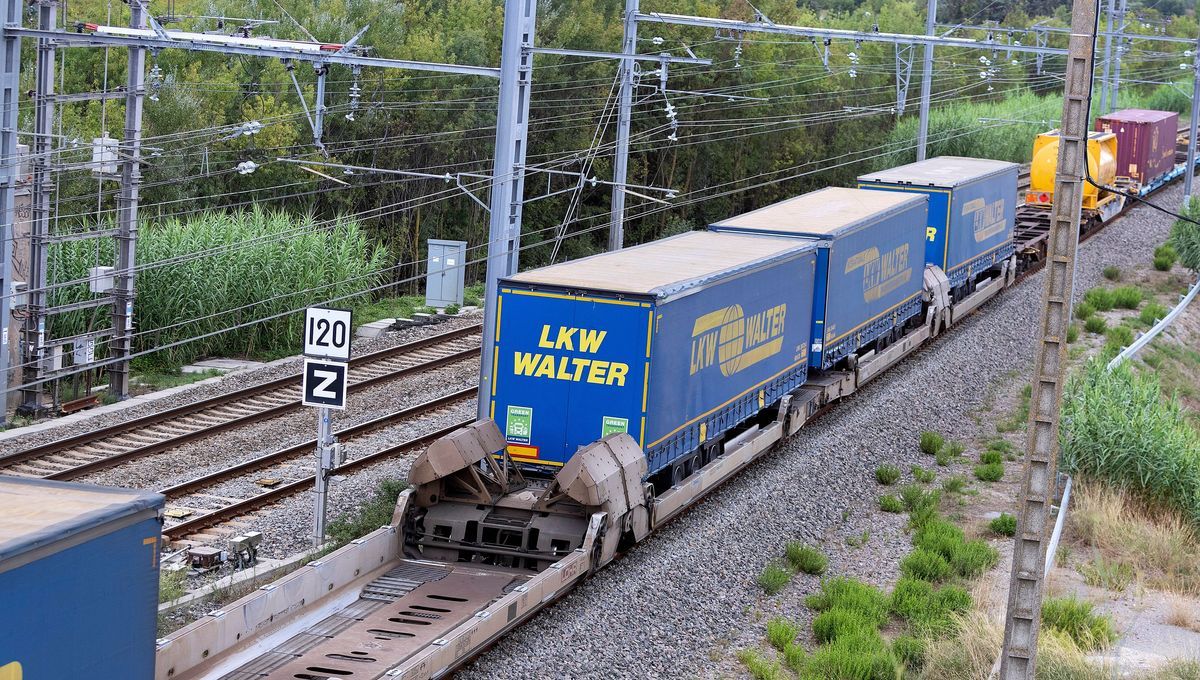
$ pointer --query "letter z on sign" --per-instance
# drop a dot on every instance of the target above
(324, 384)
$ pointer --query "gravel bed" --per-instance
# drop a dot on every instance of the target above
(679, 604)
(229, 383)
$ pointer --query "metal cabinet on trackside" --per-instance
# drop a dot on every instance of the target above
(870, 262)
(78, 579)
(673, 341)
(972, 210)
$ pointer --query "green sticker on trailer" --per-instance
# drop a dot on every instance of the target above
(519, 424)
(613, 425)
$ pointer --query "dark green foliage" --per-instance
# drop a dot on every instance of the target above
(1127, 297)
(863, 656)
(830, 625)
(1084, 311)
(967, 558)
(887, 474)
(1117, 426)
(806, 558)
(890, 503)
(850, 595)
(931, 442)
(991, 472)
(1004, 525)
(774, 577)
(1001, 445)
(922, 475)
(925, 565)
(910, 597)
(1101, 299)
(1095, 325)
(910, 650)
(972, 558)
(376, 512)
(1117, 338)
(1112, 273)
(1072, 332)
(1075, 618)
(989, 456)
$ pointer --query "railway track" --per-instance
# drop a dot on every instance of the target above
(291, 470)
(82, 454)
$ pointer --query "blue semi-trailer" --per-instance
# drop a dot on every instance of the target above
(674, 342)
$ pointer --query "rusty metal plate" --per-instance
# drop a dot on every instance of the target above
(397, 630)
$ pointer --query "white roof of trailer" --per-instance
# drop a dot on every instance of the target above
(943, 171)
(35, 512)
(664, 266)
(823, 212)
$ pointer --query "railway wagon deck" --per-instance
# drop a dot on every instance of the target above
(870, 262)
(674, 342)
(972, 209)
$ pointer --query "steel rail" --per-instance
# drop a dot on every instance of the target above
(85, 438)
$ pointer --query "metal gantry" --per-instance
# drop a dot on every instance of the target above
(1023, 620)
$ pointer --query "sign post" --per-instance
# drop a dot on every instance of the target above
(326, 353)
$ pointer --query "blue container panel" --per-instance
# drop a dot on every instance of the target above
(723, 353)
(87, 611)
(569, 369)
(873, 282)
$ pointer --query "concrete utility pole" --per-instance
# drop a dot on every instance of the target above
(1023, 619)
(1190, 171)
(616, 228)
(926, 83)
(34, 332)
(508, 174)
(127, 209)
(10, 86)
(1104, 82)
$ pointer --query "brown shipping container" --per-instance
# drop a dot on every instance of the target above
(1145, 142)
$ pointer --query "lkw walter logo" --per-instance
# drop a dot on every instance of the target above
(734, 341)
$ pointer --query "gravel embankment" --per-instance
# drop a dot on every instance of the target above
(679, 604)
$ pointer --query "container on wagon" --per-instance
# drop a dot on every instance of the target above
(870, 262)
(1145, 143)
(78, 579)
(972, 210)
(674, 341)
(1102, 167)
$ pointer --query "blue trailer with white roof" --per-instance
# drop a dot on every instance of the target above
(972, 210)
(870, 263)
(675, 342)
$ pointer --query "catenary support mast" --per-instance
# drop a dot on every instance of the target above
(1019, 654)
(926, 84)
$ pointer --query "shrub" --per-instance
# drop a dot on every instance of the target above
(861, 656)
(452, 309)
(1004, 525)
(1152, 313)
(1001, 445)
(972, 558)
(887, 474)
(830, 625)
(1163, 263)
(1072, 332)
(794, 657)
(954, 484)
(989, 456)
(925, 565)
(953, 599)
(806, 558)
(910, 650)
(991, 472)
(943, 457)
(774, 577)
(910, 597)
(760, 668)
(1117, 338)
(781, 632)
(851, 595)
(1084, 311)
(1118, 427)
(955, 448)
(1075, 618)
(1112, 272)
(1112, 575)
(922, 475)
(1101, 299)
(1166, 254)
(939, 536)
(1095, 325)
(1127, 297)
(890, 504)
(931, 442)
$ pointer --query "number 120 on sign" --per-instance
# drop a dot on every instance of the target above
(327, 333)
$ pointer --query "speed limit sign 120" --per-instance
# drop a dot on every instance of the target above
(327, 333)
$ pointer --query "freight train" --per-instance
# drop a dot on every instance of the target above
(626, 386)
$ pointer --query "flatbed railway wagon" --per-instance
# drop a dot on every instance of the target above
(870, 263)
(78, 580)
(972, 208)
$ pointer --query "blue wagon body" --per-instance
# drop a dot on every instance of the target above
(78, 579)
(869, 261)
(972, 210)
(674, 342)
